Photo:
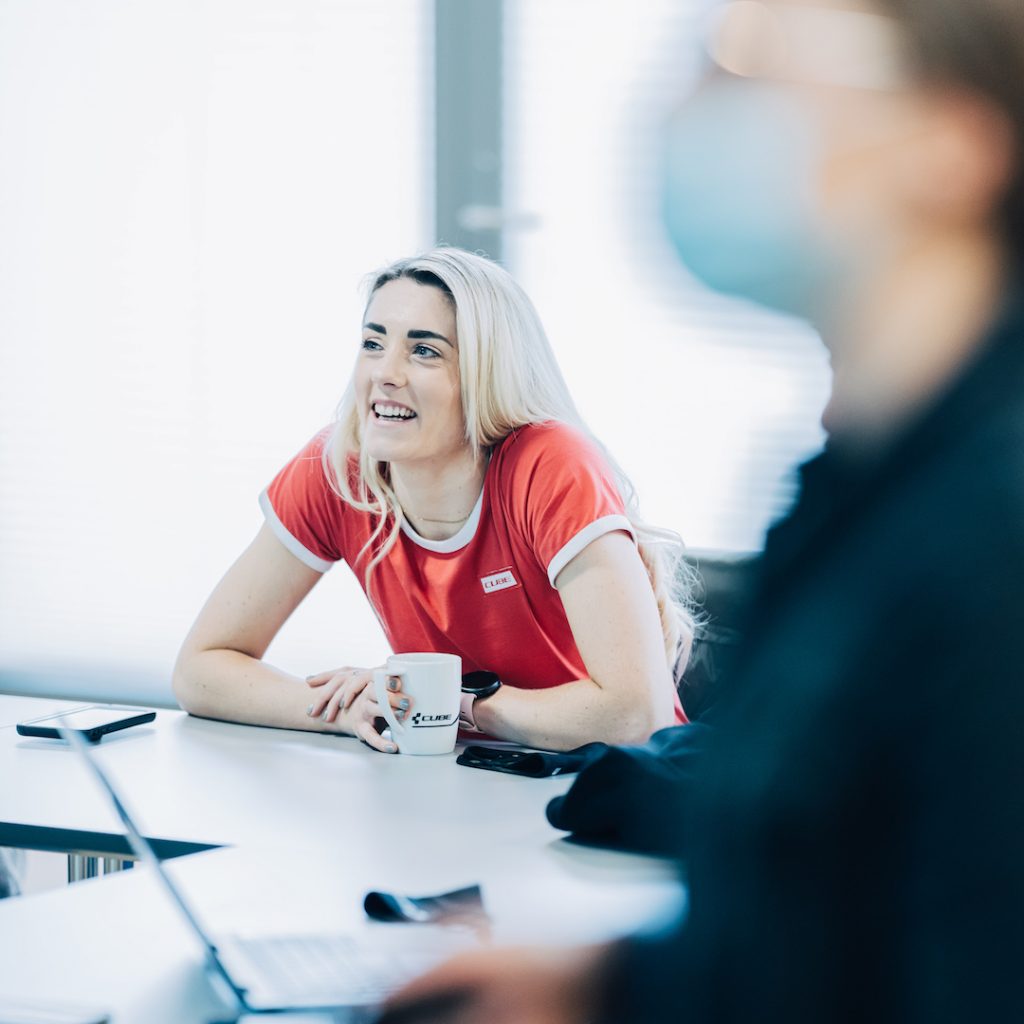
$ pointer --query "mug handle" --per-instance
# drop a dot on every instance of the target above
(380, 688)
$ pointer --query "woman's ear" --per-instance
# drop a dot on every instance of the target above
(957, 168)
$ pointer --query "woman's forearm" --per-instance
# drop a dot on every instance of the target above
(235, 687)
(568, 716)
(219, 673)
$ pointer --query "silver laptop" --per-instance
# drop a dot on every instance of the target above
(323, 973)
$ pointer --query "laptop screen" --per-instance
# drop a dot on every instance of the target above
(143, 849)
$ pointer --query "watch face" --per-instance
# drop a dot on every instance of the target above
(480, 682)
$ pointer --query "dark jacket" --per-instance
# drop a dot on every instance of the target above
(855, 844)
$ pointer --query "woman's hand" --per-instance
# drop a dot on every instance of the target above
(346, 696)
(336, 689)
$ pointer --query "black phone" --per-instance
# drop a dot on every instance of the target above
(512, 762)
(93, 723)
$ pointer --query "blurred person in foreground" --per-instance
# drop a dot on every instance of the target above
(855, 841)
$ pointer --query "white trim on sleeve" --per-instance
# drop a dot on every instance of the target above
(589, 533)
(296, 547)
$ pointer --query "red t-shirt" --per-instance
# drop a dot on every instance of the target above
(486, 594)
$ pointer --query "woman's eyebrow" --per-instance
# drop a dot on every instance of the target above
(416, 334)
(419, 335)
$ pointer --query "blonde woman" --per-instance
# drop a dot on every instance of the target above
(481, 518)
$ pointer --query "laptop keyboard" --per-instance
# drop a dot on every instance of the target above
(335, 968)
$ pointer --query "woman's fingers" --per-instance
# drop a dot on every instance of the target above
(358, 681)
(347, 671)
(336, 689)
(347, 691)
(366, 732)
(327, 689)
(324, 677)
(367, 707)
(400, 704)
(353, 684)
(319, 703)
(330, 711)
(367, 718)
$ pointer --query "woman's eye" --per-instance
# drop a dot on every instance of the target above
(427, 351)
(369, 345)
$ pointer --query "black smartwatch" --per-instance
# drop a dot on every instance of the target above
(476, 686)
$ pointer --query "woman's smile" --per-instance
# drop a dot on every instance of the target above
(407, 377)
(391, 412)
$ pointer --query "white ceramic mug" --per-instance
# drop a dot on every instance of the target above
(433, 684)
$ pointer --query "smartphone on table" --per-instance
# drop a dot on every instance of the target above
(93, 723)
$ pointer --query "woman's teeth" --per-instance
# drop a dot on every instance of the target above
(393, 412)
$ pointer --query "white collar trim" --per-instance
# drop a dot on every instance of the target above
(459, 540)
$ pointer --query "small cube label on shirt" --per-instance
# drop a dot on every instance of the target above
(498, 581)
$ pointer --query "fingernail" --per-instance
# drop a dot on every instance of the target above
(308, 678)
(309, 710)
(323, 715)
(392, 684)
(404, 703)
(392, 748)
(400, 714)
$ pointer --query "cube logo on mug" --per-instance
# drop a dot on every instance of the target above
(433, 683)
(431, 721)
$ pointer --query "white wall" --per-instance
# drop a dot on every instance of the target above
(190, 193)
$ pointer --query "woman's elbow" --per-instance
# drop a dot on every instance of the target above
(655, 710)
(638, 719)
(184, 686)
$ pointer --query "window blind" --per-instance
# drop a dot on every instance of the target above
(190, 194)
(707, 402)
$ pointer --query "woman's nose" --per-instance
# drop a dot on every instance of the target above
(390, 368)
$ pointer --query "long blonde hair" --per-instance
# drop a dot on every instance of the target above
(508, 378)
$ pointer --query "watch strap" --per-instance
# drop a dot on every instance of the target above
(466, 719)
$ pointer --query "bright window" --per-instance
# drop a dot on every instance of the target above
(707, 403)
(190, 195)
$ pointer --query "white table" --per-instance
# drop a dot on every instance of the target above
(312, 822)
(47, 802)
(15, 709)
(196, 783)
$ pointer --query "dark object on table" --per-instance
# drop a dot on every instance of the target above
(93, 723)
(537, 764)
(460, 906)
